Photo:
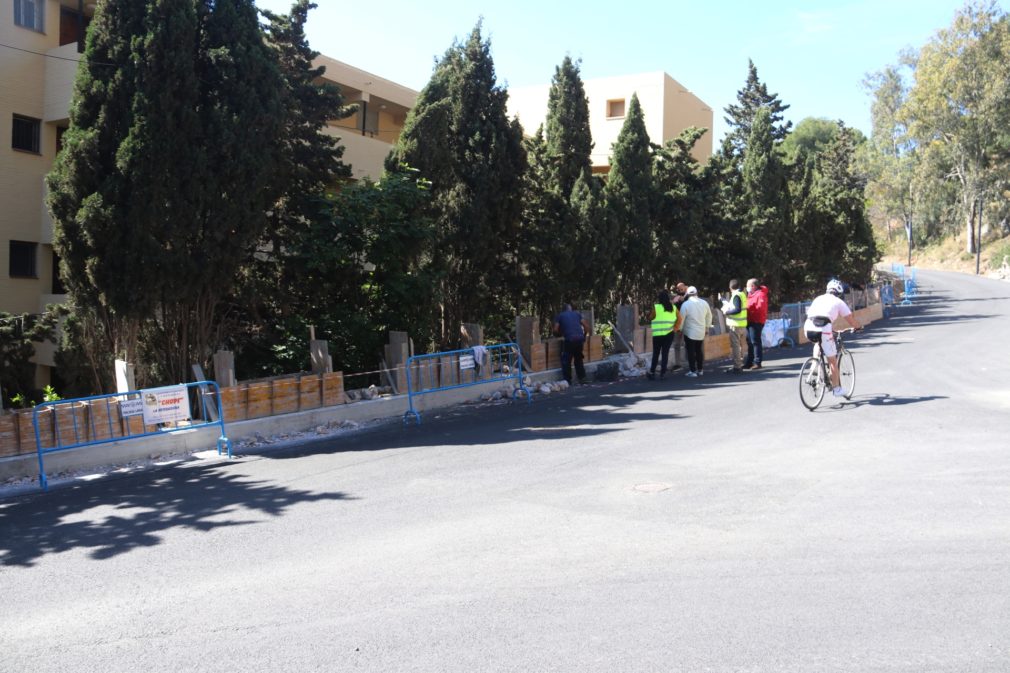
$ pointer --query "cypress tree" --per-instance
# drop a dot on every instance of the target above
(840, 191)
(311, 159)
(160, 193)
(629, 194)
(569, 140)
(765, 194)
(460, 139)
(681, 200)
(548, 236)
(597, 270)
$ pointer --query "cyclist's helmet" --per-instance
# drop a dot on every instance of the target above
(835, 287)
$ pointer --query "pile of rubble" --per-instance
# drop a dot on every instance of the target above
(331, 428)
(633, 365)
(369, 393)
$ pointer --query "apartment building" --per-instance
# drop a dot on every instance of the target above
(40, 44)
(668, 106)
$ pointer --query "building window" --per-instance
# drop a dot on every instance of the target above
(615, 108)
(30, 14)
(25, 133)
(23, 259)
(60, 130)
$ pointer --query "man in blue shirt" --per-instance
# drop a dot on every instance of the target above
(573, 328)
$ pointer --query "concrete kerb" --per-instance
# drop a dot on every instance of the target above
(204, 439)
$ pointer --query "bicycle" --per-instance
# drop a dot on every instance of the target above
(815, 374)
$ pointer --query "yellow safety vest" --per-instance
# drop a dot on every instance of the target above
(740, 319)
(664, 321)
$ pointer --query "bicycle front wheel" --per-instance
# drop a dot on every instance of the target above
(847, 373)
(812, 383)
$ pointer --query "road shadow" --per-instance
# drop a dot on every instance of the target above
(585, 412)
(138, 509)
(880, 400)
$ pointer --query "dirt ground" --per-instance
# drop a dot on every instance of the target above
(950, 255)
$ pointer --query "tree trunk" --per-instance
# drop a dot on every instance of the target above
(971, 228)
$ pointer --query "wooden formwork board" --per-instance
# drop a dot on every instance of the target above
(310, 389)
(333, 389)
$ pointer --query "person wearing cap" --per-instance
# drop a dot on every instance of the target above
(821, 314)
(695, 320)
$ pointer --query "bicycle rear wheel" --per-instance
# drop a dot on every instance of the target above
(847, 373)
(812, 384)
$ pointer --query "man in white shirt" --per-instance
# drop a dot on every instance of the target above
(694, 321)
(822, 313)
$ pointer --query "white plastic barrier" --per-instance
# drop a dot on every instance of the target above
(774, 331)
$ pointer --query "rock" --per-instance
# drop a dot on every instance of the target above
(497, 395)
(322, 430)
(545, 389)
(563, 385)
(370, 393)
(351, 395)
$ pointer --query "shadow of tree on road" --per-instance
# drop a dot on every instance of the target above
(131, 512)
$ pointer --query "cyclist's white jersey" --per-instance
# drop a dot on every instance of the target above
(826, 306)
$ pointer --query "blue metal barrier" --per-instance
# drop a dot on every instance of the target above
(910, 291)
(79, 417)
(887, 297)
(435, 372)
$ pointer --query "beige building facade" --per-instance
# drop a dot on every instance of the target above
(41, 42)
(668, 106)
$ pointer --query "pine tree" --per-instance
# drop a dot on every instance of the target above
(630, 197)
(750, 99)
(460, 139)
(168, 168)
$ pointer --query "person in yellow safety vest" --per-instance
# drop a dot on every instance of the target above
(663, 316)
(735, 309)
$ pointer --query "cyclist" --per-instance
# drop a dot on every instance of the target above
(822, 313)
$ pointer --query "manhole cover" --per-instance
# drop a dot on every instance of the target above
(651, 488)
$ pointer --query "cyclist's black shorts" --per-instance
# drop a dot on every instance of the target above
(814, 336)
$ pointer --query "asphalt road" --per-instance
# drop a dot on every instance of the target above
(685, 525)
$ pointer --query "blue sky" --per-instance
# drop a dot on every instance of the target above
(813, 54)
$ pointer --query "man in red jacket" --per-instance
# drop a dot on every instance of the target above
(757, 314)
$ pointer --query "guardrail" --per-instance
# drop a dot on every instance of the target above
(103, 419)
(437, 372)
